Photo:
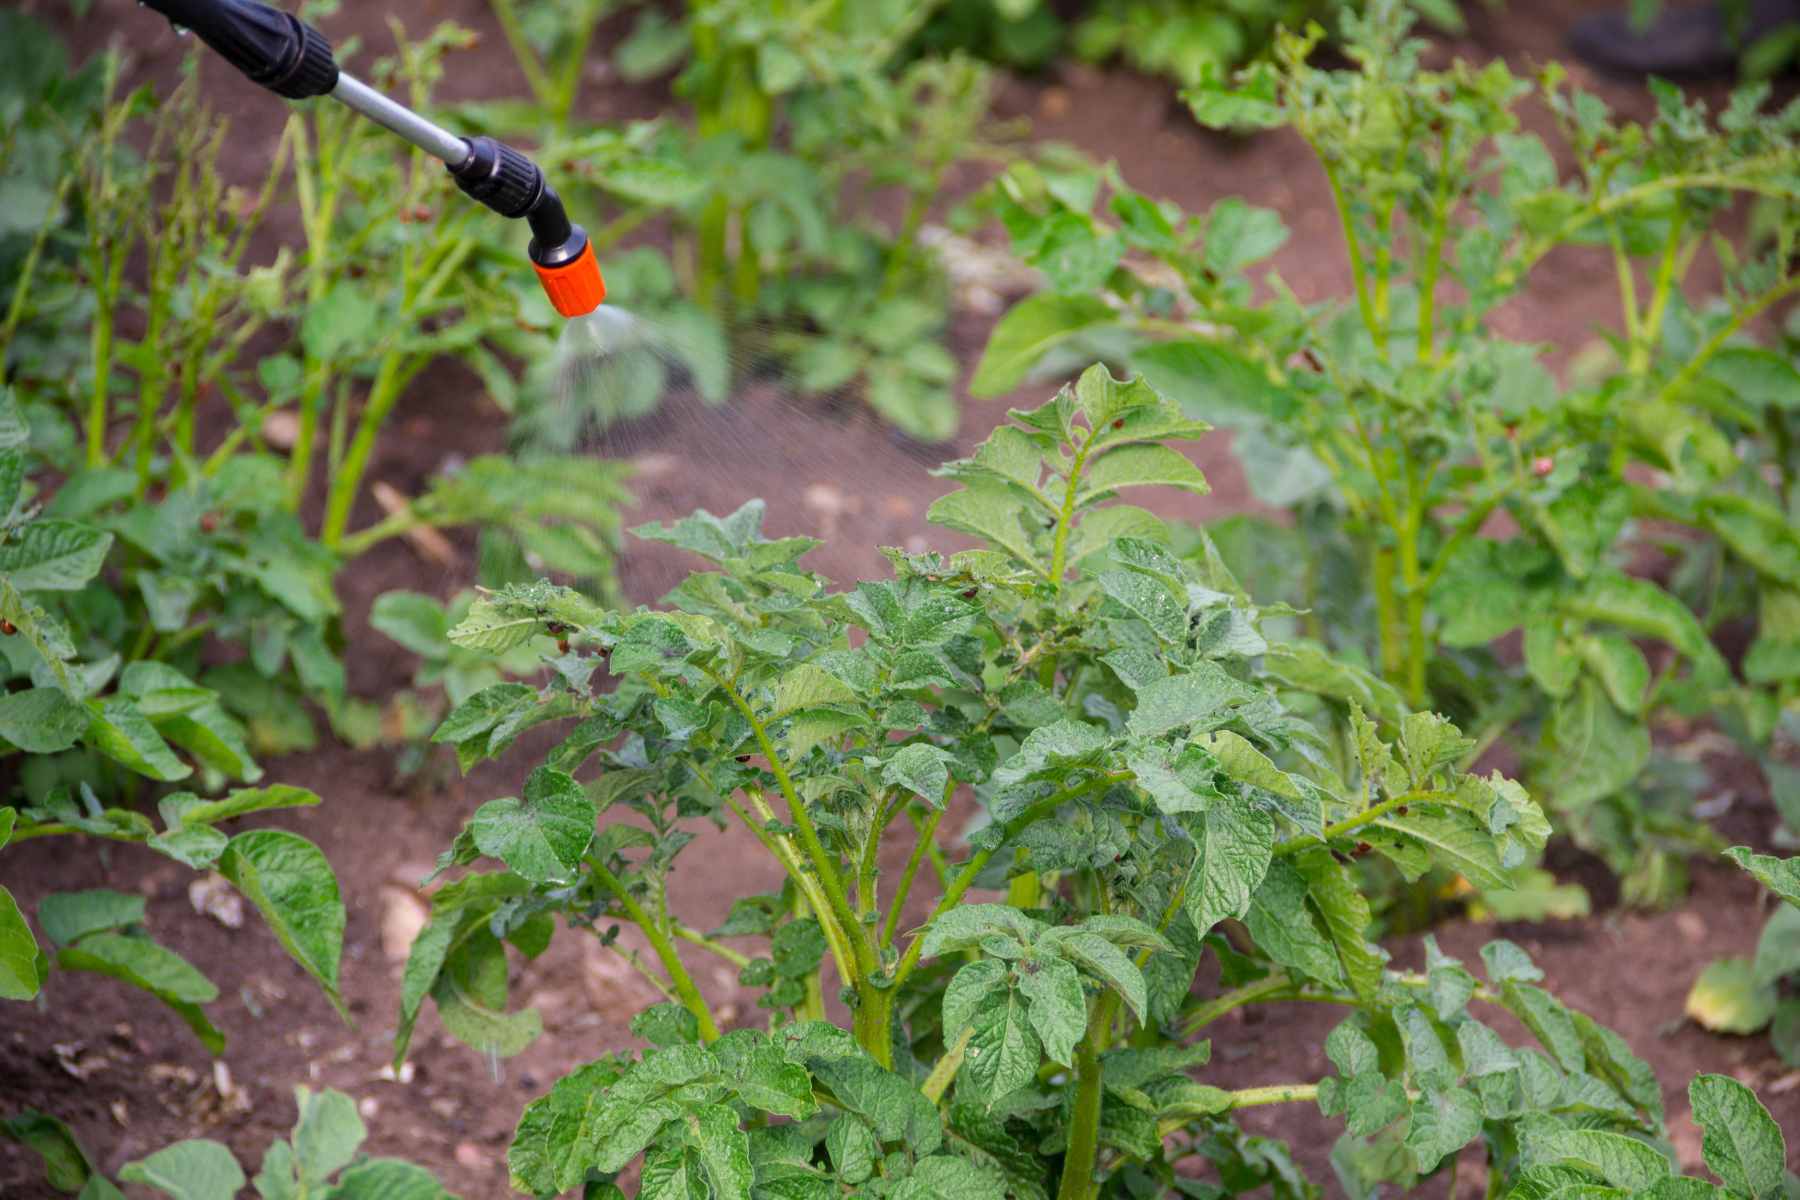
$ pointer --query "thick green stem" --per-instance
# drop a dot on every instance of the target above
(1434, 256)
(679, 979)
(1078, 1182)
(710, 255)
(874, 1003)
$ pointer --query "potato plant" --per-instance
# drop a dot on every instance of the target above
(1745, 996)
(1165, 806)
(1181, 40)
(164, 442)
(78, 724)
(800, 114)
(320, 1161)
(1395, 424)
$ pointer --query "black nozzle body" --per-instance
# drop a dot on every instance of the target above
(513, 186)
(271, 48)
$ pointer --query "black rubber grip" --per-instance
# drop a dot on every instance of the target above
(500, 177)
(271, 47)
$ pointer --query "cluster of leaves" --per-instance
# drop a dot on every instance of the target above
(1393, 424)
(1744, 996)
(1168, 799)
(1183, 40)
(283, 874)
(321, 1161)
(800, 112)
(206, 543)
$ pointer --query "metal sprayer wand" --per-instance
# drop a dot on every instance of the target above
(292, 59)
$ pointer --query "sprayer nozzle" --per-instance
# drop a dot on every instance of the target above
(574, 284)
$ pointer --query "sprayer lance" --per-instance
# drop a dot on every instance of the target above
(292, 59)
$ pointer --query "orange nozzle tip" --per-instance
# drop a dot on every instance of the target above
(575, 288)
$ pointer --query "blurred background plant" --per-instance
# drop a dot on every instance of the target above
(1746, 996)
(804, 120)
(322, 1158)
(1179, 39)
(213, 409)
(1396, 427)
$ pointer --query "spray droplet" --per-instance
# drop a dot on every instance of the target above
(495, 1070)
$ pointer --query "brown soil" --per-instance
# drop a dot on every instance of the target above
(130, 1078)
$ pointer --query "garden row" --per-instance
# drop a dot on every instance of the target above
(1237, 753)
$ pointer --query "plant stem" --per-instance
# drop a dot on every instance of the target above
(15, 310)
(783, 852)
(920, 849)
(966, 878)
(391, 377)
(1627, 283)
(152, 376)
(1412, 580)
(1358, 271)
(946, 1068)
(1024, 890)
(317, 194)
(683, 983)
(823, 863)
(901, 252)
(1279, 1093)
(529, 64)
(1638, 359)
(1351, 824)
(1078, 1182)
(1739, 319)
(1268, 988)
(696, 938)
(1434, 255)
(1387, 611)
(1060, 549)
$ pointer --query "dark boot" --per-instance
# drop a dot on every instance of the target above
(1696, 41)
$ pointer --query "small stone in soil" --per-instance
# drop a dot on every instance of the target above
(402, 917)
(469, 1155)
(213, 896)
